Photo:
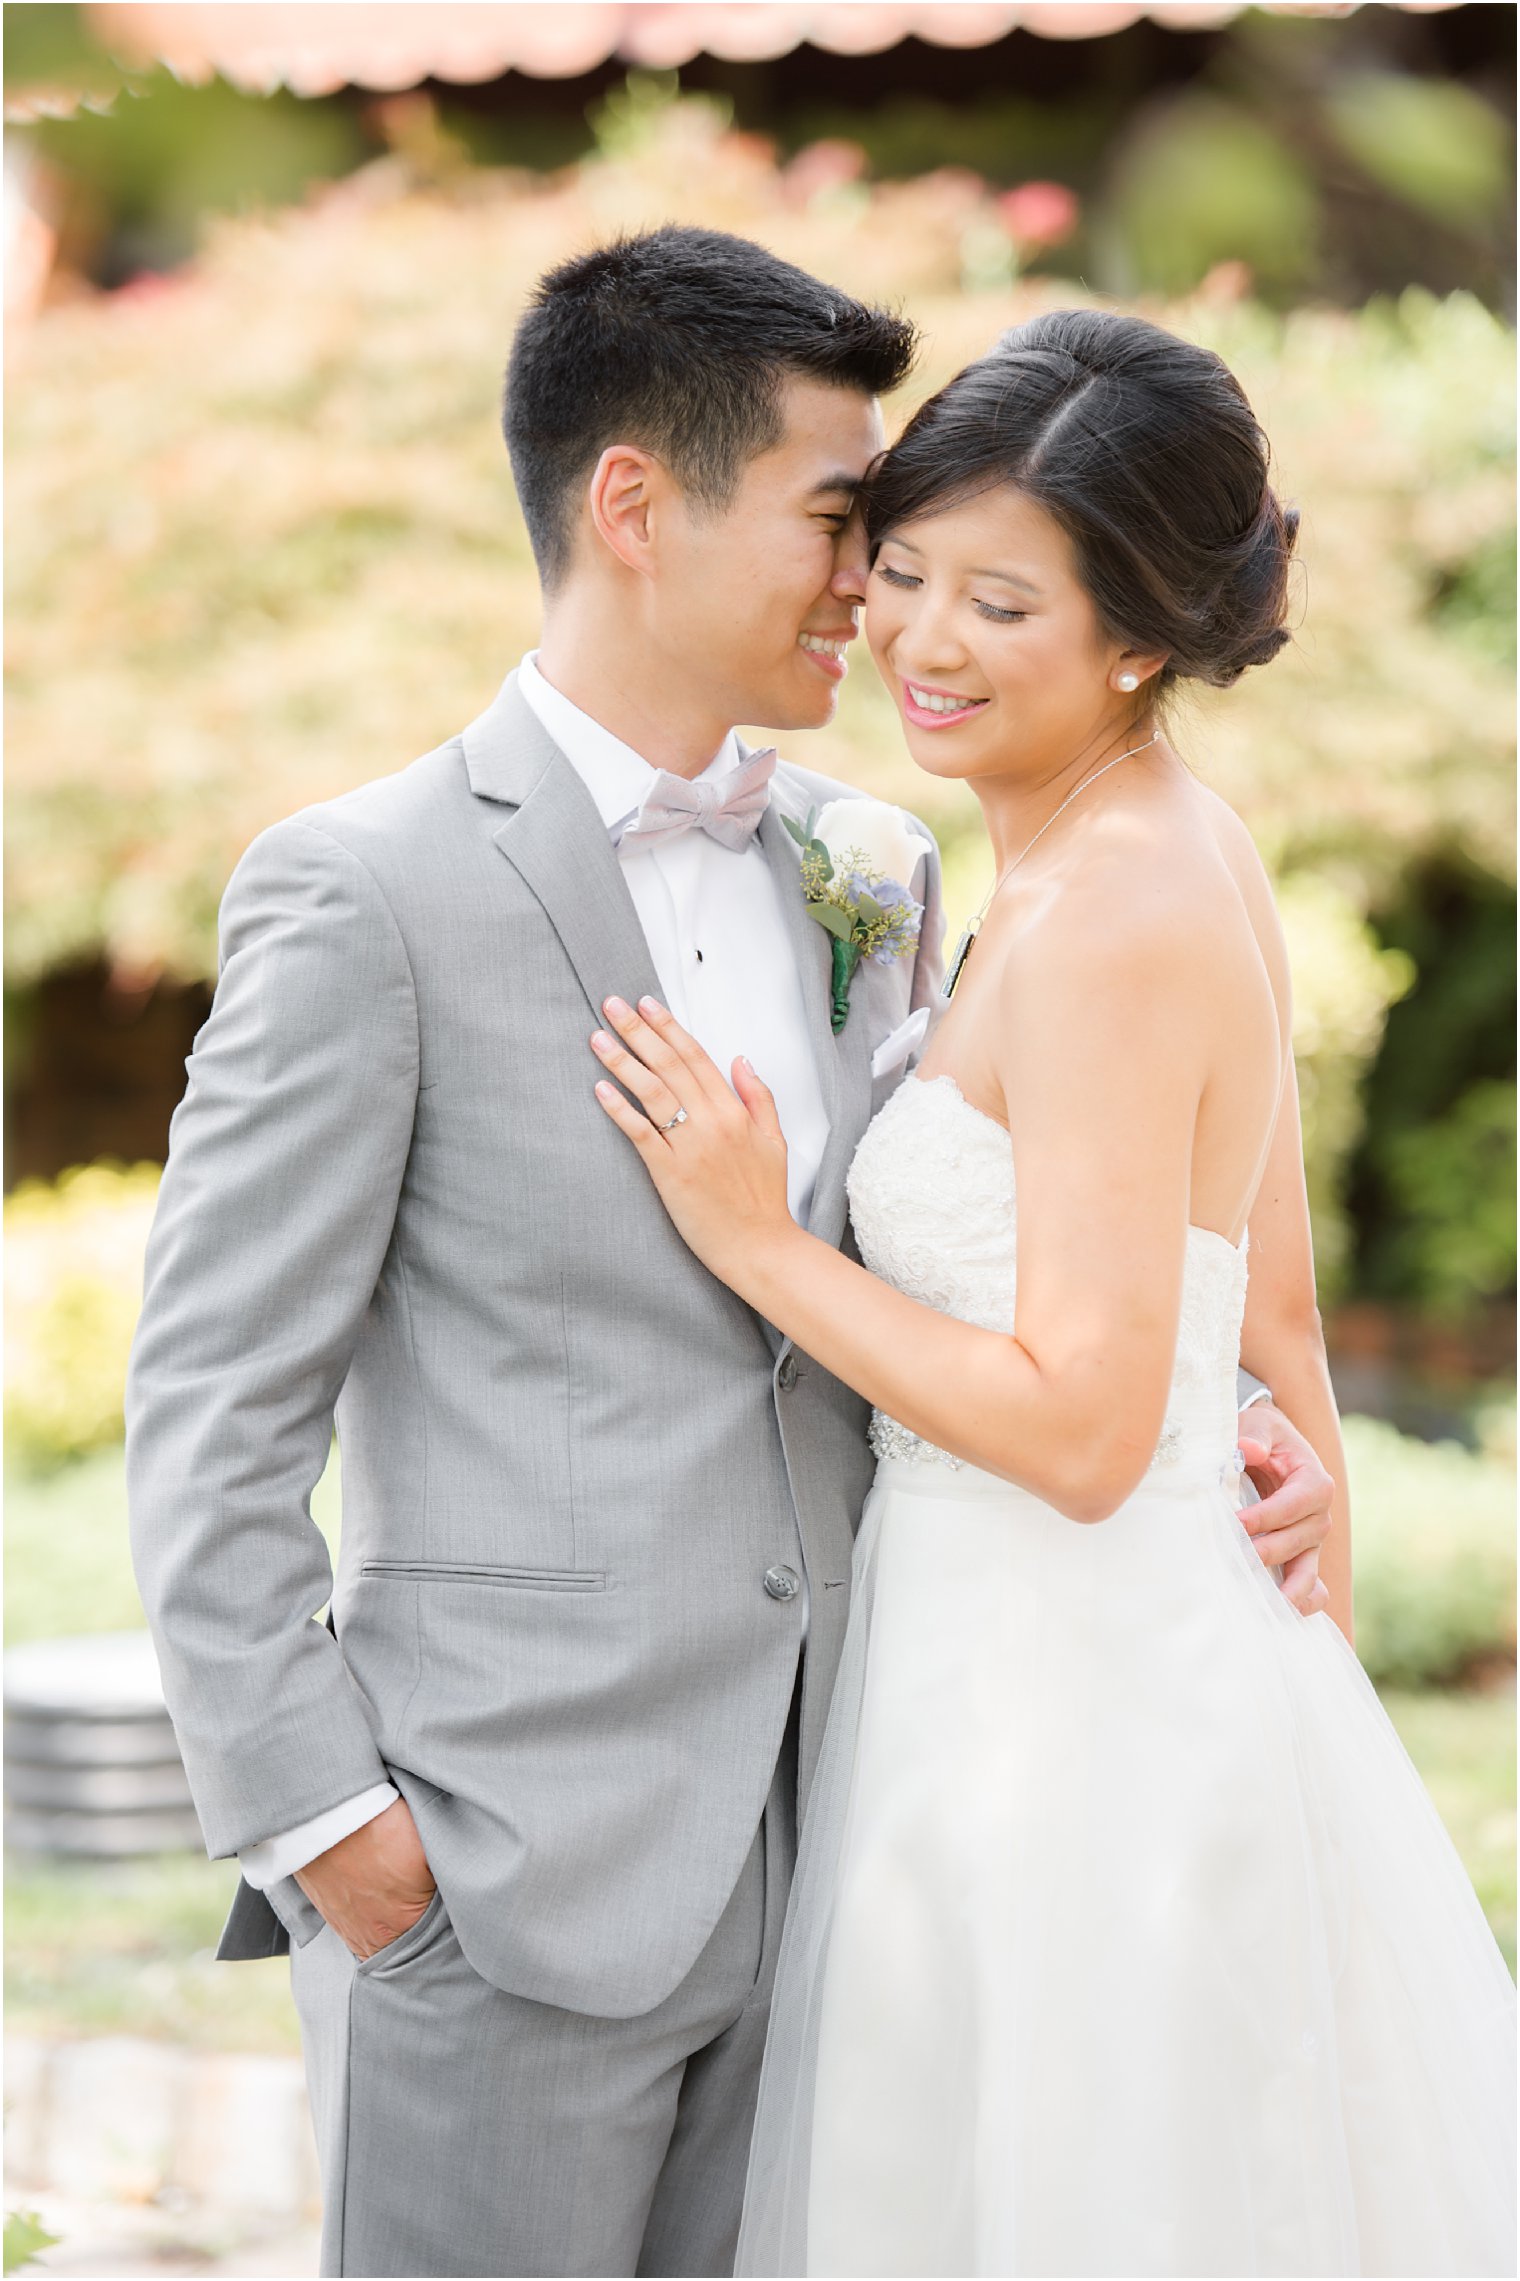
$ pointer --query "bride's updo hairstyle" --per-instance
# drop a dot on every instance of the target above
(1143, 448)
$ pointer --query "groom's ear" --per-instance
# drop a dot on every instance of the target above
(625, 486)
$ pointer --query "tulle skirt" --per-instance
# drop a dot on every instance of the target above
(1125, 1939)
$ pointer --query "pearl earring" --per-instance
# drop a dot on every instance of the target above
(1129, 681)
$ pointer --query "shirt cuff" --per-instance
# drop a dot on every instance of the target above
(280, 1856)
(1260, 1394)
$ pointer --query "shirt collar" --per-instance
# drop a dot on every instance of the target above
(617, 777)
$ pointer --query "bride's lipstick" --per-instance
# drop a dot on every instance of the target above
(949, 707)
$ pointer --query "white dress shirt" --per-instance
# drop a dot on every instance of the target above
(719, 944)
(715, 928)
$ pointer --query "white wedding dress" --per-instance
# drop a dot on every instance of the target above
(1124, 1939)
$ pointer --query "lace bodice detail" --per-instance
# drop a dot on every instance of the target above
(935, 1213)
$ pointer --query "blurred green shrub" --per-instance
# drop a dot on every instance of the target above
(1433, 1552)
(1433, 1181)
(68, 1558)
(1453, 1187)
(73, 1287)
(1343, 985)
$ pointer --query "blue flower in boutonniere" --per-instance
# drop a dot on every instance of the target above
(858, 859)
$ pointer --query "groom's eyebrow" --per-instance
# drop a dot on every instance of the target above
(833, 485)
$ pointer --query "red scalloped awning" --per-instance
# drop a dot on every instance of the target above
(316, 46)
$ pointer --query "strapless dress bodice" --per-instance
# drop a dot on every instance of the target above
(935, 1211)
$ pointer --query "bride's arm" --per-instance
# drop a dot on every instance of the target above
(1283, 1340)
(1099, 1054)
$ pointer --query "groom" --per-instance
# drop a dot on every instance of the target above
(524, 1810)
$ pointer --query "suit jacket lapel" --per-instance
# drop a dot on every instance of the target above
(557, 842)
(843, 1062)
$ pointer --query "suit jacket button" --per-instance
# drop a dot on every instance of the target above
(782, 1583)
(786, 1376)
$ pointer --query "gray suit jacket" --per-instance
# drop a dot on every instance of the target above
(570, 1455)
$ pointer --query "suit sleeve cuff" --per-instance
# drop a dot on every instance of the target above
(272, 1858)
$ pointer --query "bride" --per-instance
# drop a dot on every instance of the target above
(1124, 1939)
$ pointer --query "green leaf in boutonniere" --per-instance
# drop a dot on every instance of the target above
(849, 889)
(839, 923)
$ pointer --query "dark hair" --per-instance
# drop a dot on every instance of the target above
(1145, 451)
(677, 340)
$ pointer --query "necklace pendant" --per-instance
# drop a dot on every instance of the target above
(958, 963)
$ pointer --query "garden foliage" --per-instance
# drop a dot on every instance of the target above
(263, 546)
(1433, 1538)
(1433, 1529)
(73, 1286)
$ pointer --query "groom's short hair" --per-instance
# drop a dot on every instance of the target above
(677, 340)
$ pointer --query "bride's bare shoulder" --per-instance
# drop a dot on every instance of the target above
(1232, 836)
(1161, 888)
(1243, 859)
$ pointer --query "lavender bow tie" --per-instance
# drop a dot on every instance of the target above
(726, 807)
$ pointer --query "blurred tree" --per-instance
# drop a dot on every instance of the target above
(1411, 169)
(1343, 986)
(145, 174)
(263, 546)
(1200, 181)
(1434, 144)
(1452, 1183)
(1433, 1184)
(1339, 154)
(53, 62)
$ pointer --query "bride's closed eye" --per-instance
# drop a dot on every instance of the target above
(988, 609)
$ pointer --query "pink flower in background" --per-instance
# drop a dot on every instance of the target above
(822, 167)
(1038, 214)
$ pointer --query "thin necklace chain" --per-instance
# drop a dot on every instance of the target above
(1075, 791)
(963, 947)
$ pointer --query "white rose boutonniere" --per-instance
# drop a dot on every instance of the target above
(858, 860)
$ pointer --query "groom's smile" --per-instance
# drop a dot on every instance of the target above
(767, 592)
(828, 651)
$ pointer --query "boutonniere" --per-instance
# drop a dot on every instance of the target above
(857, 858)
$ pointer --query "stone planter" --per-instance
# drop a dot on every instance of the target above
(92, 1767)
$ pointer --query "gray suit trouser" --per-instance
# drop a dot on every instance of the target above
(462, 2130)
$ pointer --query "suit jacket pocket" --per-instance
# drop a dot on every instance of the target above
(488, 1572)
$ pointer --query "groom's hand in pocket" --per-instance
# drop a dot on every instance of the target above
(373, 1885)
